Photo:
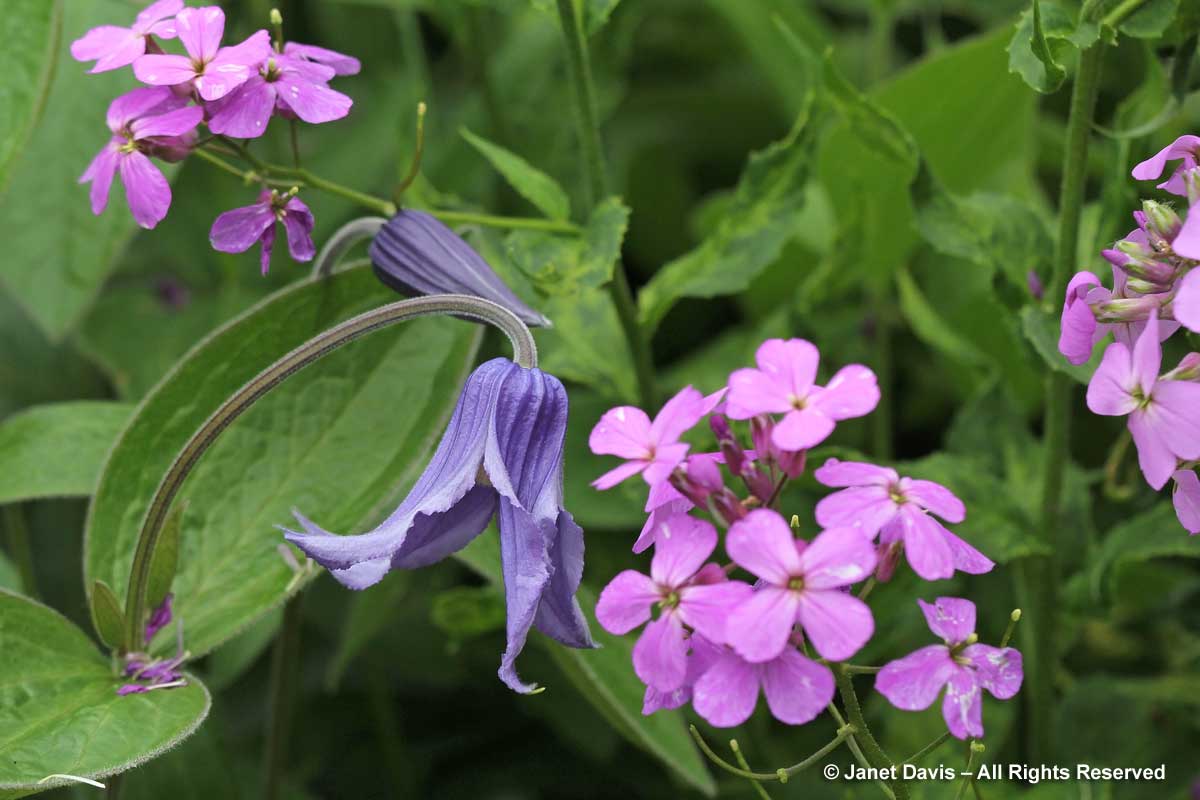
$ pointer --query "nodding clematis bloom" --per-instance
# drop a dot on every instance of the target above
(112, 46)
(238, 230)
(1186, 498)
(962, 665)
(651, 448)
(878, 499)
(798, 689)
(213, 70)
(501, 456)
(1184, 149)
(688, 592)
(784, 383)
(1162, 413)
(290, 86)
(340, 63)
(415, 254)
(141, 122)
(802, 583)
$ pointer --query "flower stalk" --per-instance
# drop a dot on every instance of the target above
(871, 749)
(285, 664)
(783, 773)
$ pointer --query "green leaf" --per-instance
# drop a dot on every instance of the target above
(594, 13)
(60, 253)
(165, 562)
(57, 450)
(1041, 328)
(67, 718)
(372, 611)
(931, 328)
(531, 183)
(10, 578)
(758, 222)
(30, 30)
(1030, 53)
(107, 616)
(565, 265)
(1152, 534)
(877, 127)
(340, 440)
(605, 677)
(1151, 20)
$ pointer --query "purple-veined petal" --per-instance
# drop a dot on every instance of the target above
(266, 245)
(759, 628)
(966, 558)
(912, 683)
(937, 499)
(682, 545)
(998, 670)
(146, 190)
(852, 392)
(963, 706)
(625, 602)
(364, 574)
(1186, 497)
(100, 41)
(706, 607)
(559, 615)
(725, 695)
(140, 102)
(762, 543)
(171, 123)
(239, 229)
(650, 530)
(951, 618)
(837, 557)
(660, 655)
(797, 688)
(925, 545)
(233, 66)
(836, 623)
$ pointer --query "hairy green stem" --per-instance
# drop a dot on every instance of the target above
(16, 541)
(744, 764)
(524, 353)
(871, 749)
(579, 67)
(285, 664)
(1118, 14)
(927, 749)
(511, 223)
(781, 774)
(1038, 578)
(857, 752)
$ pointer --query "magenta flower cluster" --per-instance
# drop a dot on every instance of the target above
(231, 90)
(718, 641)
(1156, 291)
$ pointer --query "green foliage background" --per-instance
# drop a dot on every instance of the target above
(879, 176)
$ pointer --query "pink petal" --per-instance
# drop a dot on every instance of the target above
(172, 123)
(837, 557)
(997, 670)
(1187, 300)
(1147, 356)
(797, 688)
(726, 694)
(122, 55)
(236, 231)
(244, 112)
(1186, 497)
(1110, 391)
(155, 13)
(682, 544)
(951, 618)
(762, 543)
(650, 530)
(623, 431)
(854, 473)
(1174, 409)
(800, 430)
(936, 498)
(625, 602)
(267, 242)
(791, 364)
(164, 69)
(666, 458)
(1153, 167)
(200, 30)
(100, 172)
(759, 628)
(1078, 324)
(966, 558)
(912, 683)
(929, 554)
(233, 66)
(963, 707)
(313, 102)
(140, 102)
(298, 224)
(1187, 242)
(838, 624)
(618, 474)
(752, 392)
(100, 41)
(146, 190)
(1154, 452)
(341, 64)
(660, 655)
(677, 415)
(706, 607)
(864, 508)
(852, 392)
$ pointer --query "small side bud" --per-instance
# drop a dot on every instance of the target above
(275, 17)
(1015, 616)
(977, 746)
(1188, 369)
(1162, 223)
(795, 523)
(973, 638)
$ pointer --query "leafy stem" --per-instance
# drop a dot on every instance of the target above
(524, 353)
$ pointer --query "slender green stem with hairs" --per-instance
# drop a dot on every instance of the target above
(870, 748)
(524, 353)
(783, 773)
(578, 65)
(744, 764)
(927, 749)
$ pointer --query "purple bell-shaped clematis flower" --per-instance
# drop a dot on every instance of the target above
(501, 455)
(415, 254)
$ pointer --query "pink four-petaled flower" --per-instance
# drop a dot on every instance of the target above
(799, 583)
(1183, 149)
(112, 46)
(238, 230)
(290, 85)
(961, 665)
(213, 70)
(785, 383)
(688, 592)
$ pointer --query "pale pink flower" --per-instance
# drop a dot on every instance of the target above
(1183, 149)
(292, 86)
(1186, 497)
(112, 47)
(213, 70)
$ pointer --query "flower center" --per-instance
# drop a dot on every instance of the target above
(796, 584)
(957, 648)
(671, 600)
(797, 402)
(270, 72)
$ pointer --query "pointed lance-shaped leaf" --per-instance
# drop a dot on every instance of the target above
(165, 560)
(107, 616)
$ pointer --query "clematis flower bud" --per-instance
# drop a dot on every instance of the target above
(415, 254)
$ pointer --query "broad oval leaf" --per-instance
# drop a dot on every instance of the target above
(339, 439)
(59, 709)
(30, 30)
